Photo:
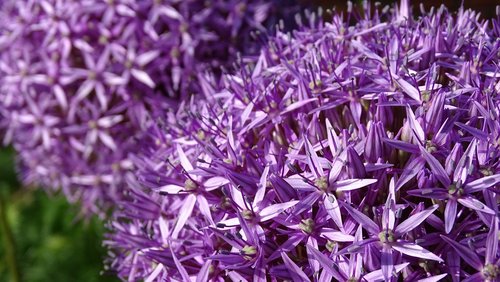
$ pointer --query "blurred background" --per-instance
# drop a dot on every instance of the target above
(42, 241)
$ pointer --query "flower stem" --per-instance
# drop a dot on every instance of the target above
(9, 243)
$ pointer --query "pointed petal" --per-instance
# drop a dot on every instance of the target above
(313, 160)
(300, 184)
(474, 204)
(261, 190)
(170, 189)
(435, 278)
(362, 219)
(145, 58)
(297, 274)
(215, 182)
(436, 168)
(450, 215)
(326, 263)
(107, 140)
(430, 193)
(143, 77)
(401, 145)
(386, 262)
(151, 277)
(273, 211)
(60, 96)
(306, 203)
(352, 184)
(204, 272)
(415, 125)
(289, 245)
(333, 140)
(482, 183)
(464, 166)
(466, 253)
(85, 89)
(259, 274)
(414, 250)
(186, 164)
(414, 221)
(478, 277)
(205, 208)
(377, 276)
(336, 236)
(412, 169)
(479, 134)
(284, 191)
(185, 213)
(492, 242)
(180, 267)
(333, 209)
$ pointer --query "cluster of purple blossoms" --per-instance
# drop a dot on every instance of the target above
(347, 152)
(80, 80)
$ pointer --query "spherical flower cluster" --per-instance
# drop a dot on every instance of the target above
(79, 80)
(362, 152)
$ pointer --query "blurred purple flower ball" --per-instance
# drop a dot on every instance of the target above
(81, 80)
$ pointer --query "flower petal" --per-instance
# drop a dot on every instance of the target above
(450, 214)
(377, 276)
(466, 253)
(297, 274)
(273, 211)
(415, 125)
(415, 220)
(482, 183)
(492, 242)
(151, 277)
(326, 263)
(436, 168)
(333, 209)
(362, 219)
(435, 278)
(143, 77)
(414, 250)
(386, 262)
(170, 189)
(352, 184)
(185, 213)
(475, 205)
(401, 145)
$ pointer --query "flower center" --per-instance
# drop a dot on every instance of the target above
(307, 225)
(490, 272)
(92, 75)
(321, 183)
(247, 214)
(92, 124)
(486, 172)
(175, 52)
(430, 147)
(190, 185)
(330, 245)
(386, 236)
(453, 189)
(248, 252)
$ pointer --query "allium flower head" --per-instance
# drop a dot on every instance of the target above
(363, 152)
(80, 79)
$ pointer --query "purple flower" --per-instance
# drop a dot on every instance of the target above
(81, 80)
(342, 153)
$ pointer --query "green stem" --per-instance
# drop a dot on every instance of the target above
(9, 243)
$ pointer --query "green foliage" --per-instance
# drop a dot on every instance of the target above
(49, 243)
